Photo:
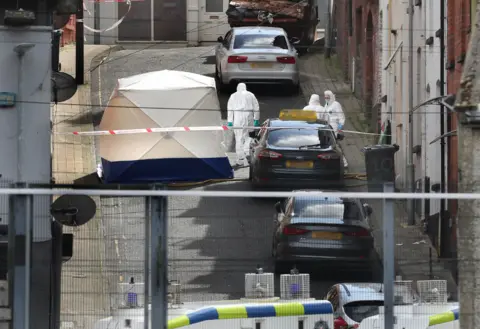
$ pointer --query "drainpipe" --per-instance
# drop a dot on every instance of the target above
(443, 112)
(328, 33)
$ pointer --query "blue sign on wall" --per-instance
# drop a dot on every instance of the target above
(7, 99)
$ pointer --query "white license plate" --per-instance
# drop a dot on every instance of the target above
(261, 65)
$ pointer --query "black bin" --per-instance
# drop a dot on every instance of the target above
(380, 165)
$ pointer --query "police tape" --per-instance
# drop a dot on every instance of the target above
(191, 129)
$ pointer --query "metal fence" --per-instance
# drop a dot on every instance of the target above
(214, 237)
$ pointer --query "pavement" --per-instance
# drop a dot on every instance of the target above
(84, 297)
(213, 241)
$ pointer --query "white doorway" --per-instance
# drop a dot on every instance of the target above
(213, 21)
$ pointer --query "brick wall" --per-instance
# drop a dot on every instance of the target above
(358, 37)
(458, 33)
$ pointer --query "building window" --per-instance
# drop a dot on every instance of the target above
(214, 6)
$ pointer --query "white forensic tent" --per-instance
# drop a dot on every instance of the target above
(158, 100)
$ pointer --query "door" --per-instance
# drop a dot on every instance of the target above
(213, 22)
(170, 23)
(136, 25)
(222, 51)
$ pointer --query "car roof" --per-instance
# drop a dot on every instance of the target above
(362, 291)
(317, 197)
(249, 30)
(366, 291)
(295, 123)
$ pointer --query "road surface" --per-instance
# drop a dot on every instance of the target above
(213, 242)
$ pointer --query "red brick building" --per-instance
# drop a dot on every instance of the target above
(357, 39)
(459, 13)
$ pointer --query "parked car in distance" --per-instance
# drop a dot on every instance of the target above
(299, 154)
(256, 55)
(354, 302)
(331, 232)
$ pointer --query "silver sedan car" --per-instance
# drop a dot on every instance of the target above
(256, 55)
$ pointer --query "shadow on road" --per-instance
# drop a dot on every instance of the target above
(237, 238)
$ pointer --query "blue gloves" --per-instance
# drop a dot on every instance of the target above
(230, 124)
(256, 123)
(340, 126)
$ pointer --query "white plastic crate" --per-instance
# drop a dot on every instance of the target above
(259, 285)
(432, 291)
(294, 286)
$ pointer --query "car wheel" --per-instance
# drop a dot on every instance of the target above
(218, 77)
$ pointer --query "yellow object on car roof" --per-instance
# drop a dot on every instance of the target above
(300, 115)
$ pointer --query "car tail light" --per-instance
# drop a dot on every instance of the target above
(328, 156)
(266, 154)
(237, 59)
(286, 60)
(291, 230)
(362, 232)
(340, 323)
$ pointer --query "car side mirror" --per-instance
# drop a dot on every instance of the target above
(294, 41)
(253, 134)
(368, 209)
(278, 207)
(340, 136)
(220, 39)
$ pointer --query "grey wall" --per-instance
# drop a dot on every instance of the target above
(108, 13)
(35, 74)
(322, 13)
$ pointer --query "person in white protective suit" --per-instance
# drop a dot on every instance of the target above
(243, 111)
(335, 114)
(314, 105)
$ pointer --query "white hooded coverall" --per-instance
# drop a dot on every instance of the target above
(336, 116)
(335, 112)
(243, 110)
(314, 105)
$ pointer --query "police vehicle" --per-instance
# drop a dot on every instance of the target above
(259, 309)
(295, 151)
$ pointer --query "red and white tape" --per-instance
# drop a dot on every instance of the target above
(186, 129)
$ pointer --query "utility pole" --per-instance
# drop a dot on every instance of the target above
(79, 47)
(468, 132)
(410, 166)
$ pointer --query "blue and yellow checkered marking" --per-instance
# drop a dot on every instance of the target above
(251, 311)
(443, 317)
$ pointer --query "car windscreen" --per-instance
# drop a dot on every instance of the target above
(359, 311)
(295, 138)
(317, 208)
(245, 41)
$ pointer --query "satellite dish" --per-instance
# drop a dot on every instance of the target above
(73, 210)
(64, 87)
(60, 21)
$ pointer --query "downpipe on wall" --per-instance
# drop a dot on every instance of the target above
(410, 165)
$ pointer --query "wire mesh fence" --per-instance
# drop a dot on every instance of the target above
(214, 241)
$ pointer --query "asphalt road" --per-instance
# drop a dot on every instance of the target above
(213, 242)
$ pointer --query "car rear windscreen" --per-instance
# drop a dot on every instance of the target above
(245, 41)
(317, 208)
(295, 138)
(358, 311)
